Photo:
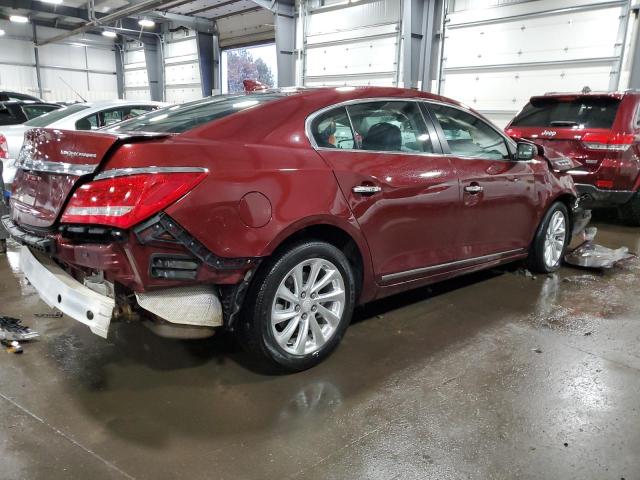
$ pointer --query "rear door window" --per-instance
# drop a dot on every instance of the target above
(333, 130)
(579, 112)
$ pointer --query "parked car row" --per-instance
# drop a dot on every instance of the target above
(274, 213)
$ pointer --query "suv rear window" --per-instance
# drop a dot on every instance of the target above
(592, 112)
(180, 118)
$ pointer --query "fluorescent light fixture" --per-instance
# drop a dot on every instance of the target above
(1, 32)
(145, 22)
(54, 2)
(18, 19)
(109, 33)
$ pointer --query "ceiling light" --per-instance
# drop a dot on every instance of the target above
(1, 32)
(145, 22)
(54, 2)
(18, 19)
(109, 33)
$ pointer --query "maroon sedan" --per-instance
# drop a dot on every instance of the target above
(274, 214)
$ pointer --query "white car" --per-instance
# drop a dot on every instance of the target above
(79, 116)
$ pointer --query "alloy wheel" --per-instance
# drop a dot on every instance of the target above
(555, 239)
(308, 306)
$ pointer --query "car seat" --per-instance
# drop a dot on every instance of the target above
(383, 136)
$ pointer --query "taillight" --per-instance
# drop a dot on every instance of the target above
(127, 200)
(514, 133)
(4, 148)
(605, 141)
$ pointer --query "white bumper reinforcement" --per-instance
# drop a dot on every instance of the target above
(60, 290)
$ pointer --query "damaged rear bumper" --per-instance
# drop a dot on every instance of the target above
(60, 290)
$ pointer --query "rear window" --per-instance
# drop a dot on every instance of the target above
(593, 112)
(48, 118)
(34, 111)
(181, 118)
(6, 116)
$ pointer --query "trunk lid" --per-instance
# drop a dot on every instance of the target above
(50, 165)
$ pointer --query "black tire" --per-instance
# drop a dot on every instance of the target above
(536, 261)
(255, 330)
(629, 213)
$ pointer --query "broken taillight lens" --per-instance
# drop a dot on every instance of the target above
(605, 141)
(4, 147)
(125, 201)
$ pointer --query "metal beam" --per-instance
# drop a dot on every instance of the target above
(204, 42)
(119, 71)
(154, 59)
(634, 53)
(37, 59)
(418, 34)
(285, 25)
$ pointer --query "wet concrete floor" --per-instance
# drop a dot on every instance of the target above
(494, 375)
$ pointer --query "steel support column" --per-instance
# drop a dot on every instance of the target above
(154, 60)
(36, 55)
(119, 71)
(217, 69)
(419, 23)
(634, 53)
(285, 25)
(204, 42)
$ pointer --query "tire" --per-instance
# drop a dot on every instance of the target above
(295, 343)
(629, 213)
(541, 260)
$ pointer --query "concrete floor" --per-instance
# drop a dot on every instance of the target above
(495, 375)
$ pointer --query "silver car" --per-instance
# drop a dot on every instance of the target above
(79, 116)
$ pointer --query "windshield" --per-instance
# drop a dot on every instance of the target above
(181, 118)
(48, 118)
(580, 112)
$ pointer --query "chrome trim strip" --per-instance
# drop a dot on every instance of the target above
(122, 172)
(77, 169)
(417, 271)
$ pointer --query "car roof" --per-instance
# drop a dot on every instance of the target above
(28, 102)
(95, 107)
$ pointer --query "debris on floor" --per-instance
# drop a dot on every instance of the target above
(11, 329)
(592, 255)
(13, 346)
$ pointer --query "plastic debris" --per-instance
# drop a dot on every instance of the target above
(11, 329)
(13, 346)
(592, 255)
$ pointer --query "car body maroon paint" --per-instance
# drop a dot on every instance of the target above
(600, 131)
(264, 182)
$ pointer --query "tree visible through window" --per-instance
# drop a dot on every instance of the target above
(241, 65)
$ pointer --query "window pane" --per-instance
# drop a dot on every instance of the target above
(596, 112)
(332, 130)
(468, 136)
(33, 111)
(180, 118)
(390, 126)
(87, 123)
(48, 118)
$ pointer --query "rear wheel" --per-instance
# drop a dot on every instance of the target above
(299, 306)
(550, 241)
(630, 211)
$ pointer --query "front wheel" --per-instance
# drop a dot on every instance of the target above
(552, 237)
(299, 306)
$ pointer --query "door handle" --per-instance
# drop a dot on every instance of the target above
(473, 189)
(366, 189)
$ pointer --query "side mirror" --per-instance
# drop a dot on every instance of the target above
(526, 151)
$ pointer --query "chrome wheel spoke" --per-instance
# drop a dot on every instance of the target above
(332, 296)
(324, 281)
(303, 335)
(318, 337)
(285, 294)
(555, 238)
(280, 316)
(284, 337)
(331, 318)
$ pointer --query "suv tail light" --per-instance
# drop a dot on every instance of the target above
(514, 133)
(4, 148)
(605, 141)
(124, 201)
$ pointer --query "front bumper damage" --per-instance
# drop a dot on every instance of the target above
(580, 216)
(594, 197)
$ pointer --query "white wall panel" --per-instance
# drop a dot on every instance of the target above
(495, 59)
(355, 44)
(246, 28)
